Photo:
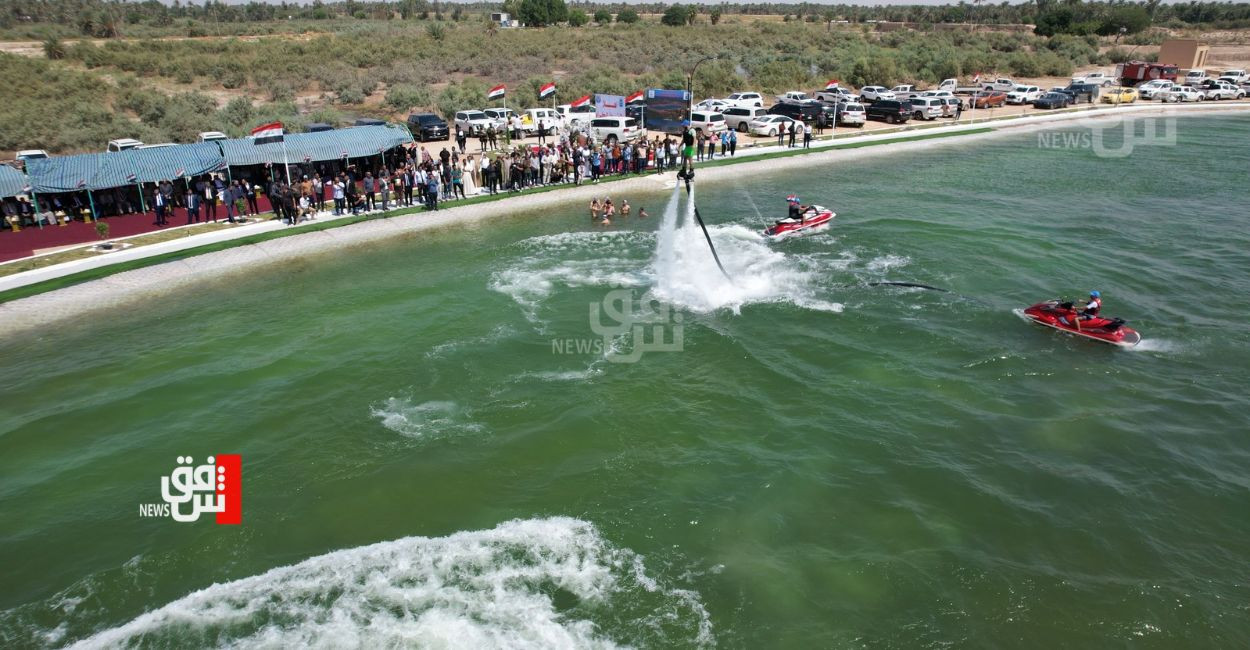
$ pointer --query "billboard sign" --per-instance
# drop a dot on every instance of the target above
(666, 109)
(609, 106)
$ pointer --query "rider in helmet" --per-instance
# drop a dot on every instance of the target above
(1092, 306)
(796, 210)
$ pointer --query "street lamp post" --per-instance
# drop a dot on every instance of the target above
(690, 81)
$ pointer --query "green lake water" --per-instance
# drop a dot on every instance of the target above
(439, 452)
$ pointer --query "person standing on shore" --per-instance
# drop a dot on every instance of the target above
(794, 130)
(781, 136)
(807, 136)
(733, 142)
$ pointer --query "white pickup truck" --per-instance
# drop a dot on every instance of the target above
(836, 95)
(1001, 85)
(953, 86)
(904, 92)
(794, 97)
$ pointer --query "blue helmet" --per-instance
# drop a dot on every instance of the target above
(1095, 294)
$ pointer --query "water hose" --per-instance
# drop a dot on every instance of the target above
(688, 176)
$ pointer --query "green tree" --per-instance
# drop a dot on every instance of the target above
(677, 15)
(715, 16)
(627, 16)
(603, 16)
(577, 18)
(540, 13)
(1132, 18)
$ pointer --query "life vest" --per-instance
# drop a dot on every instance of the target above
(1093, 306)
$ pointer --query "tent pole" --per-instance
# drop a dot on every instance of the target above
(91, 202)
(34, 198)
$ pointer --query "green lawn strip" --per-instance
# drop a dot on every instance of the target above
(120, 267)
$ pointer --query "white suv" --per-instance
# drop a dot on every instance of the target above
(1023, 95)
(852, 113)
(707, 122)
(501, 117)
(576, 116)
(745, 100)
(473, 122)
(927, 108)
(875, 93)
(610, 130)
(739, 118)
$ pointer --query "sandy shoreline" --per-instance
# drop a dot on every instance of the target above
(129, 287)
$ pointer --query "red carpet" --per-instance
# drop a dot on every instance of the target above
(14, 245)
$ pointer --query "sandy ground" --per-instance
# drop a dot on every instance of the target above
(130, 287)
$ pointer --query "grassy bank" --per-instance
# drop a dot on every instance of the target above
(104, 271)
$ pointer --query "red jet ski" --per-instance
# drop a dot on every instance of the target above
(1062, 316)
(814, 218)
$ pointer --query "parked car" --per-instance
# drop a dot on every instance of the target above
(891, 111)
(1119, 95)
(1023, 94)
(989, 99)
(1152, 89)
(942, 94)
(905, 91)
(802, 112)
(1052, 100)
(123, 144)
(951, 106)
(1082, 92)
(1003, 84)
(1195, 77)
(1239, 76)
(161, 145)
(852, 114)
(712, 104)
(926, 108)
(1222, 90)
(473, 122)
(369, 121)
(707, 122)
(1183, 94)
(317, 127)
(212, 136)
(745, 99)
(738, 117)
(550, 119)
(500, 117)
(770, 124)
(836, 95)
(428, 126)
(610, 130)
(952, 85)
(794, 97)
(1095, 78)
(31, 154)
(576, 116)
(875, 93)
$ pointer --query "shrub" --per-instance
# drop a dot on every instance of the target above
(436, 31)
(53, 48)
(628, 16)
(403, 97)
(603, 16)
(677, 15)
(540, 13)
(577, 18)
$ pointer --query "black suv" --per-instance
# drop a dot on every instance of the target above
(890, 110)
(1079, 92)
(428, 126)
(801, 112)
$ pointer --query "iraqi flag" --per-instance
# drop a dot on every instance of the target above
(581, 101)
(977, 79)
(547, 90)
(634, 97)
(496, 93)
(130, 178)
(267, 133)
(833, 83)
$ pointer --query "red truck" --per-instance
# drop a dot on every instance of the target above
(1135, 72)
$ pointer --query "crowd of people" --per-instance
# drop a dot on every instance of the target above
(409, 176)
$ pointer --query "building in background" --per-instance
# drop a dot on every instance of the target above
(1184, 53)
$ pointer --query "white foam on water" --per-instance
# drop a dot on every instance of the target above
(1162, 346)
(684, 272)
(884, 263)
(498, 333)
(536, 583)
(537, 277)
(401, 415)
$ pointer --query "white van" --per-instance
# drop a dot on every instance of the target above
(552, 121)
(123, 144)
(610, 130)
(211, 136)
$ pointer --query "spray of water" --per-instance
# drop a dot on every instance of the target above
(686, 275)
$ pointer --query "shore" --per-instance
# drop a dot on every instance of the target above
(131, 286)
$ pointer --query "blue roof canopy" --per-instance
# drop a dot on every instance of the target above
(353, 142)
(97, 171)
(12, 182)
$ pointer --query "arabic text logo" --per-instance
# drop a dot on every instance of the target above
(191, 490)
(622, 321)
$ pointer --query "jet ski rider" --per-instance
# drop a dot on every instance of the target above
(1092, 306)
(797, 212)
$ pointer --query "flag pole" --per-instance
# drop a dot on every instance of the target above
(285, 162)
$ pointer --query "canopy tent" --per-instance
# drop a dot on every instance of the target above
(353, 142)
(12, 182)
(97, 171)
